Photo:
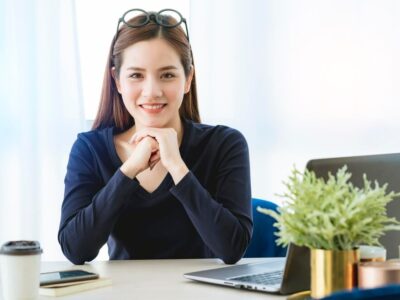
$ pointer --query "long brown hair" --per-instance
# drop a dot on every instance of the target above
(112, 111)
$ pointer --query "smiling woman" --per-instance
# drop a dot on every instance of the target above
(150, 179)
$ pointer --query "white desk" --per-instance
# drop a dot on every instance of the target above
(156, 279)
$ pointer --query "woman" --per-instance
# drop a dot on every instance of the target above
(150, 180)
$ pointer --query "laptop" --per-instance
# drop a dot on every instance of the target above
(384, 168)
(292, 274)
(283, 275)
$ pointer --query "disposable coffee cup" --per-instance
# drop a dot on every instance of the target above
(20, 270)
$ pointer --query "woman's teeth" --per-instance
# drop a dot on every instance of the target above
(157, 106)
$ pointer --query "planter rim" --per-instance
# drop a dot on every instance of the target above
(353, 249)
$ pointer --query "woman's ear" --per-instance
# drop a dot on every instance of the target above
(189, 78)
(113, 73)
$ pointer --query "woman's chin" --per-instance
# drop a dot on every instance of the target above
(154, 123)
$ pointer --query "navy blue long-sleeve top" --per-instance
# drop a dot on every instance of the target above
(207, 214)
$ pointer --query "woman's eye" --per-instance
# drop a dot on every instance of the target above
(168, 75)
(135, 75)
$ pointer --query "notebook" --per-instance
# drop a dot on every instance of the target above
(62, 289)
(385, 168)
(285, 275)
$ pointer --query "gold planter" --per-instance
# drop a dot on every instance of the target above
(333, 270)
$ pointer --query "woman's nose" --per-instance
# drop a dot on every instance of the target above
(151, 88)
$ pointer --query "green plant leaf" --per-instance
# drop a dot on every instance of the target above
(332, 214)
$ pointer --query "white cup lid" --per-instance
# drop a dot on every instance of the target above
(21, 248)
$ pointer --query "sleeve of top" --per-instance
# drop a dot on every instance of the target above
(90, 209)
(223, 220)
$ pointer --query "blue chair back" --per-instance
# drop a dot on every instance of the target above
(388, 292)
(263, 241)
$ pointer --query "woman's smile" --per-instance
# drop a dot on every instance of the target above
(153, 108)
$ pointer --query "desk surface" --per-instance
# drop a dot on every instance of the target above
(156, 279)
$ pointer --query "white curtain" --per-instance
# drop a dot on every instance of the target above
(41, 113)
(301, 79)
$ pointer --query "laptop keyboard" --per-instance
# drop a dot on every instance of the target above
(269, 278)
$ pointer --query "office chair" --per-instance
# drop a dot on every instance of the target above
(263, 243)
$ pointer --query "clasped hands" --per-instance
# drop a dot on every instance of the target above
(151, 146)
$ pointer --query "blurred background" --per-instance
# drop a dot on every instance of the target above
(301, 79)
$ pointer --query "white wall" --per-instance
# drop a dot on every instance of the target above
(301, 79)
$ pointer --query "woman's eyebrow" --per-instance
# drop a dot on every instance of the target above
(168, 68)
(133, 68)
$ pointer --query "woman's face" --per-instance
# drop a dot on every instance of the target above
(152, 83)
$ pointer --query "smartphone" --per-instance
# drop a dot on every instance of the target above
(66, 276)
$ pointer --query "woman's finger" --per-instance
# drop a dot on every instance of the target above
(138, 136)
(152, 165)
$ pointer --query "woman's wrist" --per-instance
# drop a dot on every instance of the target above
(178, 171)
(129, 171)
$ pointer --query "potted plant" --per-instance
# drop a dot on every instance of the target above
(332, 218)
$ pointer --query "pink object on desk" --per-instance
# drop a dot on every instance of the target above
(378, 274)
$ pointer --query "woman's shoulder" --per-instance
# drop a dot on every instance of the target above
(221, 131)
(215, 134)
(95, 135)
(94, 140)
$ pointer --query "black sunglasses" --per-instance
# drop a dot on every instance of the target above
(162, 18)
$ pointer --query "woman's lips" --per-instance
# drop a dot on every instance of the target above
(152, 108)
